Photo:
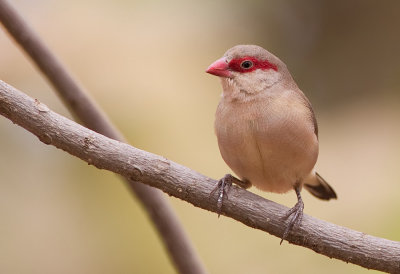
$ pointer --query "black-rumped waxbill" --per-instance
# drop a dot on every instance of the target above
(266, 128)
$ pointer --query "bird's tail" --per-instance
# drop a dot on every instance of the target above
(320, 188)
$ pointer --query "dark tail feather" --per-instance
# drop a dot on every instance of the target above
(321, 190)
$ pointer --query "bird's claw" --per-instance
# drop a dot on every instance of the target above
(295, 214)
(223, 186)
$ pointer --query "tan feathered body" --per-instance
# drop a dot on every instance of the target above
(271, 148)
(266, 128)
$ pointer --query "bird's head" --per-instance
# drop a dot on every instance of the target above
(248, 68)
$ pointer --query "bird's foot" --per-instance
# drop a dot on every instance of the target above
(295, 214)
(224, 186)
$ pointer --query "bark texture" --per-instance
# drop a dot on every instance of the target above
(179, 181)
(85, 110)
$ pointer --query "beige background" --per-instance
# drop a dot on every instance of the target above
(144, 62)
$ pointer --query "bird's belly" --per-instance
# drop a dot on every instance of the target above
(272, 156)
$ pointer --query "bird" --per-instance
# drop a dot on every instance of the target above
(266, 129)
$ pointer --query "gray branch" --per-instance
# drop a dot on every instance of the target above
(171, 232)
(179, 181)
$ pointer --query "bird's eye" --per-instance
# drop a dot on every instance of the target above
(246, 64)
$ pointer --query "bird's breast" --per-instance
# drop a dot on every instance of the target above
(271, 142)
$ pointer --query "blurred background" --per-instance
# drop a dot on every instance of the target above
(144, 62)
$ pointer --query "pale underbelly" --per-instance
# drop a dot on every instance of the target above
(273, 160)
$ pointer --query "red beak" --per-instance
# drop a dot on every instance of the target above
(219, 68)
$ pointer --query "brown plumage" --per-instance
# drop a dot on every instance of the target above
(265, 126)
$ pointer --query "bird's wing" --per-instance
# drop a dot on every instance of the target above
(312, 114)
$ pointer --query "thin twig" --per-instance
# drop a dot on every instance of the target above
(84, 108)
(325, 238)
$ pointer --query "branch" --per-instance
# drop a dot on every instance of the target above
(82, 107)
(179, 181)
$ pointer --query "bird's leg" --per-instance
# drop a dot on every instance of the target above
(223, 186)
(295, 214)
(224, 182)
